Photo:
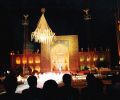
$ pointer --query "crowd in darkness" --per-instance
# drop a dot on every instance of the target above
(94, 90)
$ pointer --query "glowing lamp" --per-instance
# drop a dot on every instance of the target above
(24, 60)
(18, 60)
(81, 59)
(37, 60)
(95, 58)
(101, 58)
(30, 60)
(88, 59)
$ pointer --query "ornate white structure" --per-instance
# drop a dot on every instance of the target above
(43, 33)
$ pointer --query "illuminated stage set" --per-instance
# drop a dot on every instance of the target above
(57, 53)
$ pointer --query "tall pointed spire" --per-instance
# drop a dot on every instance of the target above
(25, 23)
(43, 33)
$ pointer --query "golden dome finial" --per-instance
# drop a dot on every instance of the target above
(43, 10)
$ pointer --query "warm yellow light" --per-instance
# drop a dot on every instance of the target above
(37, 60)
(88, 59)
(82, 59)
(18, 60)
(95, 58)
(24, 60)
(30, 60)
(101, 58)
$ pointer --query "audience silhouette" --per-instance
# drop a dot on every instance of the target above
(67, 92)
(10, 84)
(51, 90)
(113, 90)
(32, 93)
(93, 90)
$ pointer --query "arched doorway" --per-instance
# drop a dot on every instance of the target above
(59, 57)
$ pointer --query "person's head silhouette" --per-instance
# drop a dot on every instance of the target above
(50, 90)
(50, 85)
(67, 79)
(10, 83)
(90, 78)
(32, 81)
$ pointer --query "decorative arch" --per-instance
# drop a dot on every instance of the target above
(59, 56)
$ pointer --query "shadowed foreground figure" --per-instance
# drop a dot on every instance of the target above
(51, 90)
(10, 84)
(113, 90)
(93, 90)
(67, 92)
(32, 93)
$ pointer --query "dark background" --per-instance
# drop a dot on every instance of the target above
(65, 17)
